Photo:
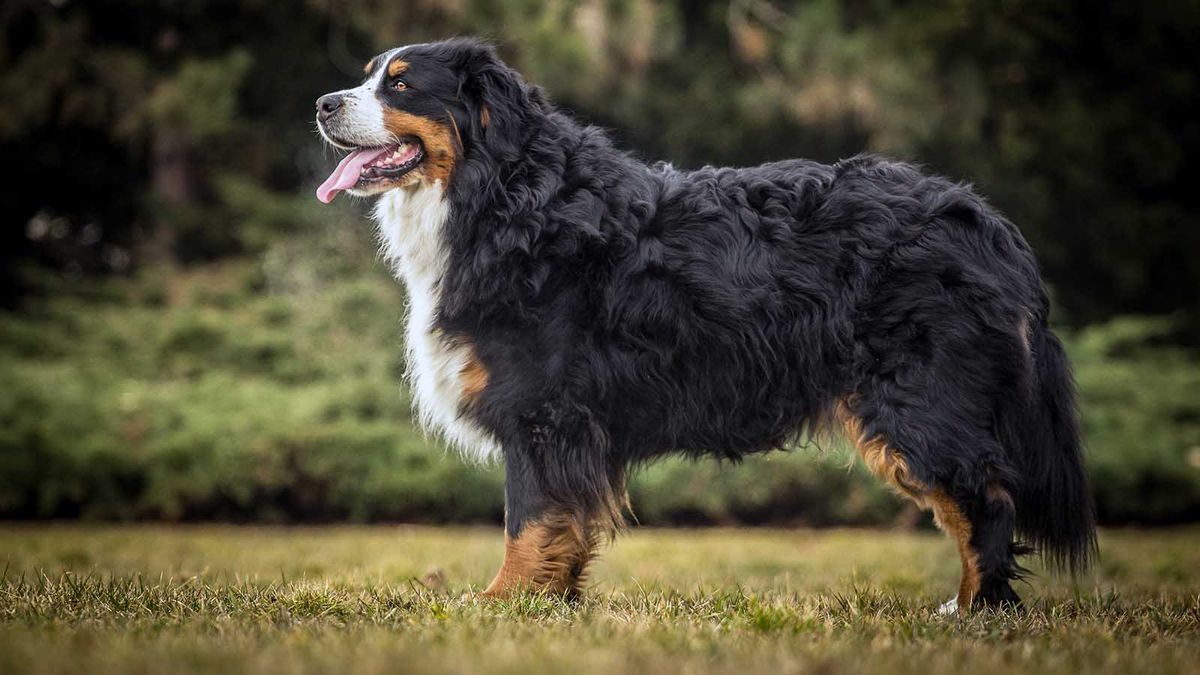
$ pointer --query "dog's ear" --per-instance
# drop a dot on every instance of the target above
(498, 102)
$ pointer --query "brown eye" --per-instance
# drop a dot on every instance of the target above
(399, 85)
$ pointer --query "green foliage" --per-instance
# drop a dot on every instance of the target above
(807, 486)
(229, 402)
(201, 99)
(1141, 414)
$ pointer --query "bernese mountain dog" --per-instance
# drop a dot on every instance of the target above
(577, 313)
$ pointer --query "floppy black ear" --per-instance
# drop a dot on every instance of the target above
(498, 102)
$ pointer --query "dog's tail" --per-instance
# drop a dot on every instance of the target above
(1055, 513)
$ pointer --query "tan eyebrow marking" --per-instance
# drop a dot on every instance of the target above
(369, 67)
(396, 67)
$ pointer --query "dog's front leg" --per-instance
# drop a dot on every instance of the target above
(547, 541)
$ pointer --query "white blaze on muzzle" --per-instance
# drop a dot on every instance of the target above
(359, 123)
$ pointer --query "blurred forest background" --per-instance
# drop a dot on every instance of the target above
(185, 333)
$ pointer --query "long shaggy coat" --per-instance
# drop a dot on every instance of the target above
(599, 313)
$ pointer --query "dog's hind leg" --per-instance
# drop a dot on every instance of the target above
(982, 528)
(975, 511)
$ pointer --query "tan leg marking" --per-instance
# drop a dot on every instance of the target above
(883, 460)
(890, 465)
(549, 554)
(951, 520)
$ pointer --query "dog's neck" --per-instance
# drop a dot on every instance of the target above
(410, 225)
(469, 244)
(412, 238)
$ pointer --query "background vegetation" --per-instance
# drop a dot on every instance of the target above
(186, 334)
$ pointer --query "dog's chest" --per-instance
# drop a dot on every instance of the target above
(410, 226)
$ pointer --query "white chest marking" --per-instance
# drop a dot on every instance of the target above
(410, 232)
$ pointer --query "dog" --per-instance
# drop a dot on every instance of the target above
(577, 313)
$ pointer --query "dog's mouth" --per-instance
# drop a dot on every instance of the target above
(368, 167)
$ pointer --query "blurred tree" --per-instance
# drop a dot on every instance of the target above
(127, 114)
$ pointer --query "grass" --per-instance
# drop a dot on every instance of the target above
(383, 599)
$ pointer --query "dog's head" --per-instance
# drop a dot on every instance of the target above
(419, 111)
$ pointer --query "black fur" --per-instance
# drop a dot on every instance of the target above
(626, 311)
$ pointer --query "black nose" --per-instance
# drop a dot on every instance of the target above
(327, 105)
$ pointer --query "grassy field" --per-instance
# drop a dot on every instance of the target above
(310, 600)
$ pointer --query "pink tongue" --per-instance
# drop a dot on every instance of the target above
(347, 173)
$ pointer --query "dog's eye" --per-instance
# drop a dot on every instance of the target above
(399, 85)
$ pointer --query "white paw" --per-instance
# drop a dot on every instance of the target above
(949, 608)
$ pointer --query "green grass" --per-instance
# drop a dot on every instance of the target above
(276, 600)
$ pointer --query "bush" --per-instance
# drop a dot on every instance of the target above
(1141, 417)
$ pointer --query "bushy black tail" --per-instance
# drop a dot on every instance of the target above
(1055, 513)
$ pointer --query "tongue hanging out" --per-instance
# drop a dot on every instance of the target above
(375, 166)
(348, 171)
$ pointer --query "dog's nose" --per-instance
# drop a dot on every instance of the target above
(327, 105)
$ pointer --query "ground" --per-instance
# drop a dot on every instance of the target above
(77, 599)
